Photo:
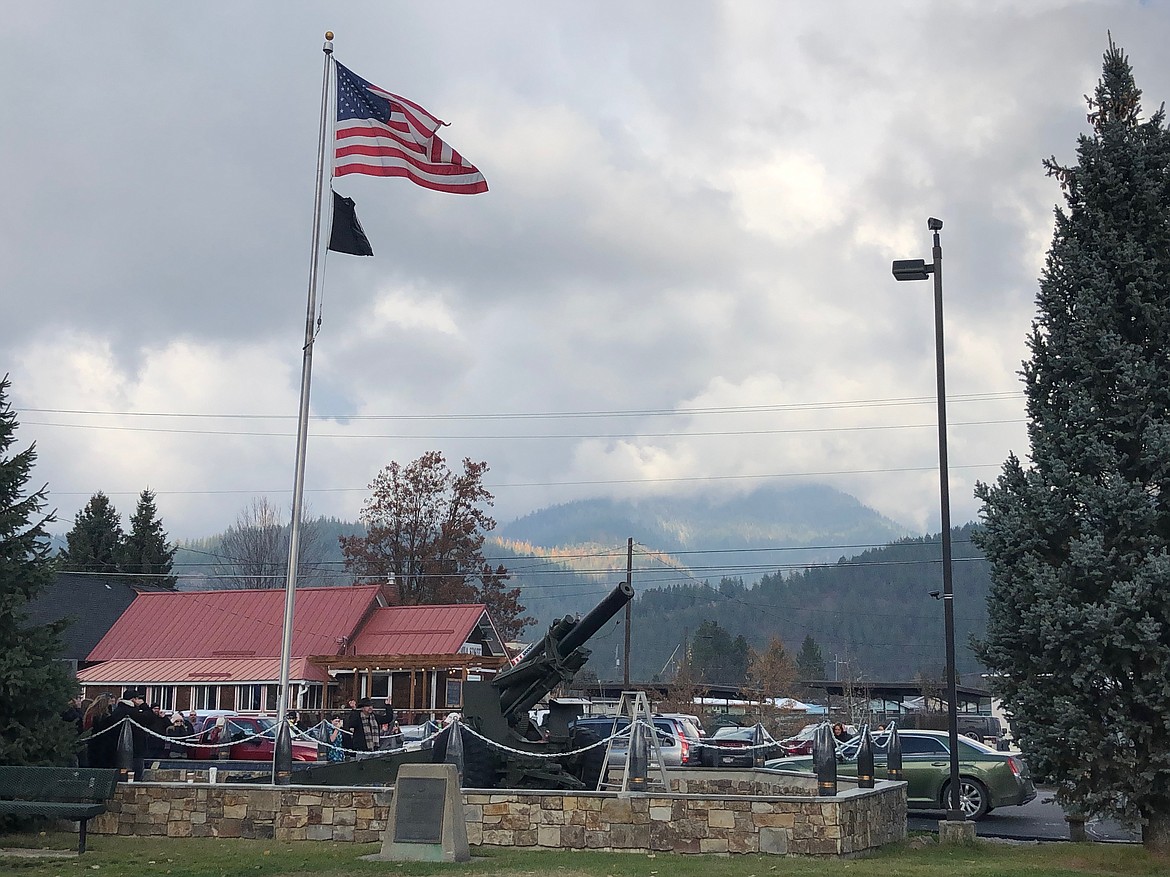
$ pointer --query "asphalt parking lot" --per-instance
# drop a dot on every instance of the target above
(1040, 819)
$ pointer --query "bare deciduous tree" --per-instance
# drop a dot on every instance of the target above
(773, 673)
(254, 550)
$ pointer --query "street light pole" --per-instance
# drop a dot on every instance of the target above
(917, 269)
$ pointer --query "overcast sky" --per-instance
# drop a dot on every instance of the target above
(679, 279)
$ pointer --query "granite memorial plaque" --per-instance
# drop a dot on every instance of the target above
(420, 806)
(426, 822)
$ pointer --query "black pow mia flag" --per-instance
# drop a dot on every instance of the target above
(347, 235)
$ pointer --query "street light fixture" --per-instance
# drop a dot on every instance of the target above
(917, 269)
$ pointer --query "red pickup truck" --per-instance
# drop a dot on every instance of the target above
(246, 738)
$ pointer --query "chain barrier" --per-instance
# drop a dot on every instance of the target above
(524, 752)
(298, 734)
(769, 741)
(368, 752)
(154, 733)
(309, 737)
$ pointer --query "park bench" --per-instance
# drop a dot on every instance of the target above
(75, 793)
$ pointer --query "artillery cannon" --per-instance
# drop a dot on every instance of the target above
(498, 709)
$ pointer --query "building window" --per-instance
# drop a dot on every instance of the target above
(205, 697)
(255, 698)
(454, 693)
(312, 694)
(379, 686)
(163, 695)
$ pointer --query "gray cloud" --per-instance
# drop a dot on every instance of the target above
(692, 206)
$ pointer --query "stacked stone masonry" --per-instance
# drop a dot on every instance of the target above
(706, 812)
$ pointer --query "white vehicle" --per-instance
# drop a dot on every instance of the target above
(694, 720)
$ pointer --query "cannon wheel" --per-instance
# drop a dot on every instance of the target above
(592, 762)
(481, 763)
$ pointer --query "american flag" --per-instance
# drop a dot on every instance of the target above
(384, 135)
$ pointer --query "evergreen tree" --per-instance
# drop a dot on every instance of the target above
(95, 542)
(1079, 540)
(34, 685)
(146, 551)
(810, 663)
(717, 657)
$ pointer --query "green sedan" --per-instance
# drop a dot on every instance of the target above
(987, 778)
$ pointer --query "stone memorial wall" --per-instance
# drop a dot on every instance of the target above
(706, 812)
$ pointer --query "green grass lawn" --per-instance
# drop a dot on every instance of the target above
(204, 857)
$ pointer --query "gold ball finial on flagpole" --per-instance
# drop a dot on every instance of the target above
(328, 34)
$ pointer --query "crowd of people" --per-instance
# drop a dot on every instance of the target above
(157, 735)
(97, 718)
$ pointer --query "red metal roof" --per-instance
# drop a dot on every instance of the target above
(199, 671)
(235, 625)
(418, 630)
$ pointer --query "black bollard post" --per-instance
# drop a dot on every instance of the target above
(825, 761)
(282, 755)
(455, 748)
(639, 758)
(865, 760)
(125, 753)
(894, 755)
(758, 754)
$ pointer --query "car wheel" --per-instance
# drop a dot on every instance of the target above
(973, 798)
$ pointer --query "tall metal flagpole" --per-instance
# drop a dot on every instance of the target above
(294, 540)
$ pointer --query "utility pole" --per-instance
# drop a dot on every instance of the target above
(836, 666)
(630, 582)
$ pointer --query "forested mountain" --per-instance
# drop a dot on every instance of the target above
(871, 614)
(807, 515)
(566, 557)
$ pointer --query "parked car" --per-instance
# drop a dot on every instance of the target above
(694, 720)
(988, 729)
(800, 743)
(678, 739)
(987, 778)
(238, 735)
(730, 747)
(412, 736)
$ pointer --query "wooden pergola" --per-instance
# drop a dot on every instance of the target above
(414, 681)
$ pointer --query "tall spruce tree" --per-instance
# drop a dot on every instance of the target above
(810, 663)
(34, 685)
(95, 542)
(146, 553)
(1078, 628)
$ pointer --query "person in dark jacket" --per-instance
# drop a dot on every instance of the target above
(175, 733)
(156, 744)
(363, 727)
(102, 746)
(133, 706)
(73, 714)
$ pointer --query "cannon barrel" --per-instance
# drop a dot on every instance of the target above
(596, 619)
(557, 657)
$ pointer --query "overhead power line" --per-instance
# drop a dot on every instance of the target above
(502, 485)
(727, 433)
(554, 415)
